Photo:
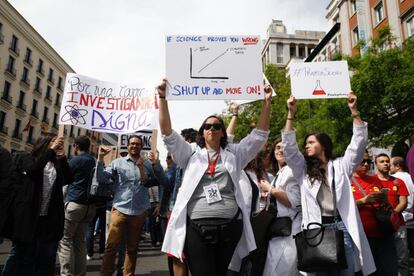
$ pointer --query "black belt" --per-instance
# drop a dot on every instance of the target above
(328, 220)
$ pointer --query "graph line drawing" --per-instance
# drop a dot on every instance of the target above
(205, 66)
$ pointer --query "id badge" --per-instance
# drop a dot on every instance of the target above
(212, 193)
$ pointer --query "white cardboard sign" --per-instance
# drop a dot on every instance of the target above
(107, 107)
(320, 80)
(213, 67)
(146, 136)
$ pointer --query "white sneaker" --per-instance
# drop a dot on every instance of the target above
(89, 257)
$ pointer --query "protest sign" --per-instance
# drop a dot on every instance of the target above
(146, 136)
(213, 67)
(107, 107)
(319, 80)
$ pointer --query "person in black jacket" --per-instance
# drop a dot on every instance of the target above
(37, 213)
(5, 186)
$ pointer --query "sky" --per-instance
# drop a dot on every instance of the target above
(123, 41)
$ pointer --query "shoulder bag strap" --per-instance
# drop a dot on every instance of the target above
(334, 194)
(359, 186)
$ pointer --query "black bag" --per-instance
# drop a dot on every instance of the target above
(98, 192)
(321, 249)
(280, 227)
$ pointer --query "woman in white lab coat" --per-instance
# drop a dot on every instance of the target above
(209, 249)
(314, 172)
(281, 254)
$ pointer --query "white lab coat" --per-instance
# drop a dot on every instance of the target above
(281, 254)
(344, 167)
(234, 157)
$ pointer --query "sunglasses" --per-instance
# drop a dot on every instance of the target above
(214, 126)
(366, 161)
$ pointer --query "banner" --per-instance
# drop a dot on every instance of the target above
(146, 136)
(107, 107)
(214, 68)
(320, 80)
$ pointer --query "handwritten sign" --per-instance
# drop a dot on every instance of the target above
(146, 136)
(213, 67)
(320, 80)
(107, 107)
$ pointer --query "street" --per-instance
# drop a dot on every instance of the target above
(150, 260)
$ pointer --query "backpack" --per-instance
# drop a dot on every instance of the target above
(98, 192)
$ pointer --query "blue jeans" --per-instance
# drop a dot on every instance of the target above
(100, 216)
(37, 258)
(349, 252)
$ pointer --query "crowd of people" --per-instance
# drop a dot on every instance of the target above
(208, 207)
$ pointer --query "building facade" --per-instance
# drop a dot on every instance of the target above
(363, 20)
(280, 46)
(32, 78)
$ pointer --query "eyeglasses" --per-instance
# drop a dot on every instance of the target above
(214, 126)
(366, 161)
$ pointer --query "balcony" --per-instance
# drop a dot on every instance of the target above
(28, 61)
(21, 106)
(6, 98)
(14, 50)
(37, 91)
(48, 99)
(51, 80)
(25, 82)
(17, 135)
(30, 140)
(11, 72)
(56, 126)
(4, 130)
(45, 120)
(35, 114)
(40, 71)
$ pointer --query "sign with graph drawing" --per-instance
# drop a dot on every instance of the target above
(320, 80)
(107, 107)
(213, 67)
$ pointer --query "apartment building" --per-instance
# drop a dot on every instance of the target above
(355, 20)
(280, 46)
(32, 78)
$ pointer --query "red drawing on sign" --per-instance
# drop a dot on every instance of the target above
(318, 89)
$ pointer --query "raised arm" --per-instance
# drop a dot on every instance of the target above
(356, 148)
(231, 128)
(164, 113)
(264, 119)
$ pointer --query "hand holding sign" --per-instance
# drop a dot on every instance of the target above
(291, 105)
(352, 101)
(268, 93)
(161, 88)
(153, 157)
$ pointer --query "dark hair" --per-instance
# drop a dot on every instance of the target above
(83, 142)
(314, 167)
(223, 141)
(399, 161)
(189, 134)
(42, 144)
(257, 165)
(134, 136)
(381, 155)
(274, 166)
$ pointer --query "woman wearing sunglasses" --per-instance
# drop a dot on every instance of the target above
(316, 170)
(210, 220)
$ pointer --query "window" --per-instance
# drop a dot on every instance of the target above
(410, 26)
(48, 92)
(55, 120)
(2, 121)
(50, 76)
(25, 75)
(379, 12)
(45, 111)
(1, 33)
(34, 109)
(28, 56)
(16, 131)
(59, 86)
(13, 44)
(40, 66)
(6, 91)
(57, 100)
(71, 131)
(10, 66)
(30, 135)
(20, 104)
(78, 131)
(355, 36)
(37, 85)
(353, 6)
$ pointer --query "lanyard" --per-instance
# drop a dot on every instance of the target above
(212, 165)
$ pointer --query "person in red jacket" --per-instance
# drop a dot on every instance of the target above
(367, 194)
